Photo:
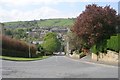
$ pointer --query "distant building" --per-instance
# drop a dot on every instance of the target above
(37, 42)
(59, 30)
(42, 31)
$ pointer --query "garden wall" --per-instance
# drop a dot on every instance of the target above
(110, 56)
(75, 56)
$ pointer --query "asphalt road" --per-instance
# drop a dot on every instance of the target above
(57, 67)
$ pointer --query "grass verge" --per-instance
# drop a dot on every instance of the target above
(22, 59)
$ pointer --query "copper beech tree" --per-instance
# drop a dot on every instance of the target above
(95, 24)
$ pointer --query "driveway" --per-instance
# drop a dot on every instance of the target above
(57, 67)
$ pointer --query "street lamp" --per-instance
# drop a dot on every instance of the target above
(67, 45)
(29, 50)
(29, 54)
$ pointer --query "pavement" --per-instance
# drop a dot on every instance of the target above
(89, 60)
(57, 67)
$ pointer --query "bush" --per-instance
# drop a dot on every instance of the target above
(113, 43)
(94, 49)
(13, 47)
(14, 53)
(100, 47)
(82, 54)
(77, 52)
(41, 51)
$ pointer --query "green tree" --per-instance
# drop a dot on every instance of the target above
(8, 32)
(95, 24)
(74, 41)
(20, 33)
(51, 43)
(50, 35)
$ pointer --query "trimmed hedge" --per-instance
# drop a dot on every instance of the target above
(94, 50)
(16, 48)
(14, 53)
(111, 44)
(114, 43)
(100, 47)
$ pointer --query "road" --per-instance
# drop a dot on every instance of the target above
(57, 67)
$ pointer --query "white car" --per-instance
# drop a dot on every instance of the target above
(63, 53)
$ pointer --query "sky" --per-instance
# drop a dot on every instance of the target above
(26, 10)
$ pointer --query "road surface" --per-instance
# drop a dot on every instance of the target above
(57, 67)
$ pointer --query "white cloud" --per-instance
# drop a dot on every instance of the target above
(12, 13)
(28, 2)
(41, 13)
(25, 2)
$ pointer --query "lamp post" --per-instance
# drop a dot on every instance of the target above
(29, 54)
(29, 50)
(67, 44)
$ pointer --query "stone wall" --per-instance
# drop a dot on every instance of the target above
(75, 56)
(111, 56)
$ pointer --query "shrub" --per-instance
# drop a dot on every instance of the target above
(100, 47)
(82, 54)
(13, 47)
(14, 53)
(113, 43)
(40, 50)
(77, 52)
(94, 49)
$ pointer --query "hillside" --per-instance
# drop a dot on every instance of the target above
(41, 23)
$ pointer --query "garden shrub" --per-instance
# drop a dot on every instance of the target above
(82, 55)
(17, 48)
(100, 47)
(114, 43)
(13, 53)
(111, 44)
(94, 50)
(77, 52)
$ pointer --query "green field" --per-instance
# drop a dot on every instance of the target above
(62, 22)
(56, 22)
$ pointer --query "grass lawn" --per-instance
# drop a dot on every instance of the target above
(22, 59)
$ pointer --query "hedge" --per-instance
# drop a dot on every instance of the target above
(114, 43)
(16, 48)
(111, 44)
(13, 53)
(100, 47)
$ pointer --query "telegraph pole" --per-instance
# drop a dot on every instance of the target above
(68, 42)
(29, 54)
(29, 50)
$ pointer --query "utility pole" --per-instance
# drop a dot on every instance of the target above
(29, 50)
(29, 54)
(68, 42)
